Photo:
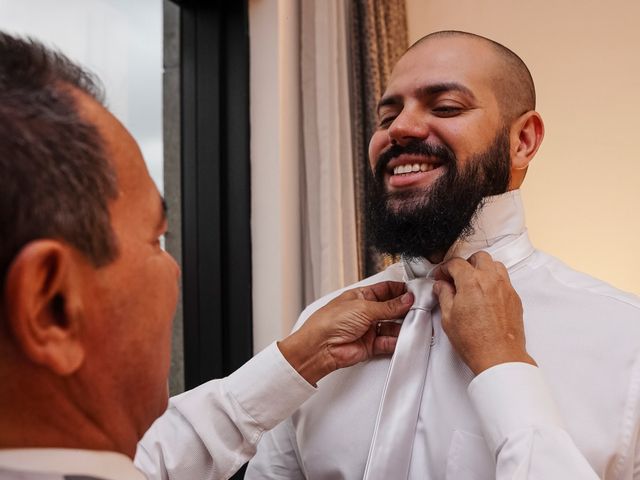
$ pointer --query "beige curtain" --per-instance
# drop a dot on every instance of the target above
(276, 152)
(378, 37)
(330, 251)
(307, 185)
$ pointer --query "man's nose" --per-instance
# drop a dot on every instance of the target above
(409, 125)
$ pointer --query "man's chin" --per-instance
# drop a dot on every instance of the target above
(408, 200)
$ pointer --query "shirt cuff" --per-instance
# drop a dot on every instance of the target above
(511, 397)
(268, 388)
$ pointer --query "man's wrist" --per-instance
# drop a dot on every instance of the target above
(481, 364)
(310, 359)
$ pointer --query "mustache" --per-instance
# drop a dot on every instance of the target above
(413, 147)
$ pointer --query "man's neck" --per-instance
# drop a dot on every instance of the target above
(40, 414)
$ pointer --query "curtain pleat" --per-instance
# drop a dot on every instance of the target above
(330, 249)
(378, 37)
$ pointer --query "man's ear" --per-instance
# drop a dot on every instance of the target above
(44, 306)
(526, 135)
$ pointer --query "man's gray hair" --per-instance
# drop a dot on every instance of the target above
(55, 179)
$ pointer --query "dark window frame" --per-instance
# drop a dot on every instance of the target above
(215, 186)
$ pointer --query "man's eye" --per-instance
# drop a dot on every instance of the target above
(447, 111)
(386, 121)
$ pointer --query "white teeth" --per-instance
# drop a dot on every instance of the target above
(410, 168)
(401, 169)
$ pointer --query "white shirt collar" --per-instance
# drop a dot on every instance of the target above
(499, 222)
(66, 461)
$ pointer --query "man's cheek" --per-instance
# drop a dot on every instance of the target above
(376, 145)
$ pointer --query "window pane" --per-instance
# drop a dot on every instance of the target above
(120, 41)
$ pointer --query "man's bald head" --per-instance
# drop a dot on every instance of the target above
(514, 88)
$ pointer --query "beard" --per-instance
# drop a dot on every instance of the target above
(422, 222)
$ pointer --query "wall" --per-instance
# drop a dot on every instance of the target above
(582, 191)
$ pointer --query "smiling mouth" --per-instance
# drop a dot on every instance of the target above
(412, 165)
(411, 171)
(413, 168)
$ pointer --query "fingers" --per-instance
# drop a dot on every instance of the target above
(382, 291)
(445, 292)
(453, 269)
(384, 345)
(481, 260)
(388, 328)
(389, 310)
(501, 268)
(383, 301)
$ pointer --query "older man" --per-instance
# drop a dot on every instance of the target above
(89, 294)
(457, 131)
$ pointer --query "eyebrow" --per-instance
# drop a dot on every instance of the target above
(426, 91)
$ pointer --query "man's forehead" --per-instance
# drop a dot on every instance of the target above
(138, 202)
(121, 149)
(456, 59)
(452, 47)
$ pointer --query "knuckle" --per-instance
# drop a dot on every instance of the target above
(391, 307)
(346, 295)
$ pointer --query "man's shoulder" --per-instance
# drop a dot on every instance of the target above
(394, 272)
(568, 281)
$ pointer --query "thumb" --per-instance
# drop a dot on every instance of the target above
(389, 310)
(445, 293)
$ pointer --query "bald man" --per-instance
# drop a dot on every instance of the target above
(457, 131)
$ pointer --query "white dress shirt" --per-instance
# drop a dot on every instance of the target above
(55, 463)
(209, 432)
(577, 416)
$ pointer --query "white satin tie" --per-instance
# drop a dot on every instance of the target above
(390, 452)
(394, 434)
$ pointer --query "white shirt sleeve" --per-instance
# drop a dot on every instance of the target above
(211, 431)
(277, 457)
(523, 427)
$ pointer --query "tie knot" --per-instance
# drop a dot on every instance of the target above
(422, 289)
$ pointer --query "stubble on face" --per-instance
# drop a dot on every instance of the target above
(425, 222)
